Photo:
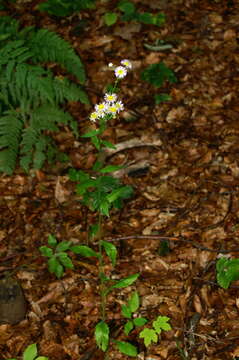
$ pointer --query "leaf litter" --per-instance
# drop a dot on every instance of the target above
(188, 194)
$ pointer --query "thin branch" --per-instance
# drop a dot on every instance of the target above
(172, 238)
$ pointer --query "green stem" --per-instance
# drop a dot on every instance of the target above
(101, 272)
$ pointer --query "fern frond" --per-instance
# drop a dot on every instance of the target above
(65, 90)
(8, 27)
(40, 149)
(48, 117)
(10, 135)
(55, 49)
(35, 93)
(12, 50)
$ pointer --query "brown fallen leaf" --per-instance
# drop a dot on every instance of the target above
(61, 193)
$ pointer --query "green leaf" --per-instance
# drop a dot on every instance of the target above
(55, 267)
(96, 141)
(65, 260)
(63, 246)
(110, 18)
(84, 186)
(126, 348)
(30, 353)
(52, 240)
(103, 277)
(133, 302)
(221, 264)
(161, 323)
(104, 207)
(41, 358)
(110, 168)
(97, 165)
(149, 336)
(126, 311)
(128, 327)
(125, 282)
(46, 251)
(160, 19)
(110, 250)
(159, 98)
(83, 250)
(126, 6)
(75, 175)
(122, 192)
(59, 272)
(164, 247)
(108, 144)
(140, 321)
(102, 335)
(227, 271)
(90, 133)
(93, 231)
(146, 18)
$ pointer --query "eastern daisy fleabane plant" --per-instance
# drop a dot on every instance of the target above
(111, 106)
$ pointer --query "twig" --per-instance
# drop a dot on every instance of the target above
(172, 238)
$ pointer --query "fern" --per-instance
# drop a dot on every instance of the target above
(10, 134)
(30, 94)
(55, 50)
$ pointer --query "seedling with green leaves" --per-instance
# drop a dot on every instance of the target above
(59, 259)
(151, 335)
(227, 271)
(31, 353)
(130, 13)
(57, 254)
(157, 75)
(128, 311)
(63, 8)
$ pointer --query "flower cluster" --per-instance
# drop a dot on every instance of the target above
(111, 105)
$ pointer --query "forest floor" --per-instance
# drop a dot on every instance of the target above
(185, 193)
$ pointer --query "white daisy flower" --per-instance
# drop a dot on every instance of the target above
(110, 64)
(120, 72)
(126, 63)
(110, 98)
(94, 116)
(101, 108)
(119, 105)
(112, 110)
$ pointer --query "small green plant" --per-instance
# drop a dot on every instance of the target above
(157, 75)
(58, 258)
(31, 94)
(227, 271)
(148, 334)
(151, 334)
(128, 311)
(130, 13)
(63, 8)
(31, 354)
